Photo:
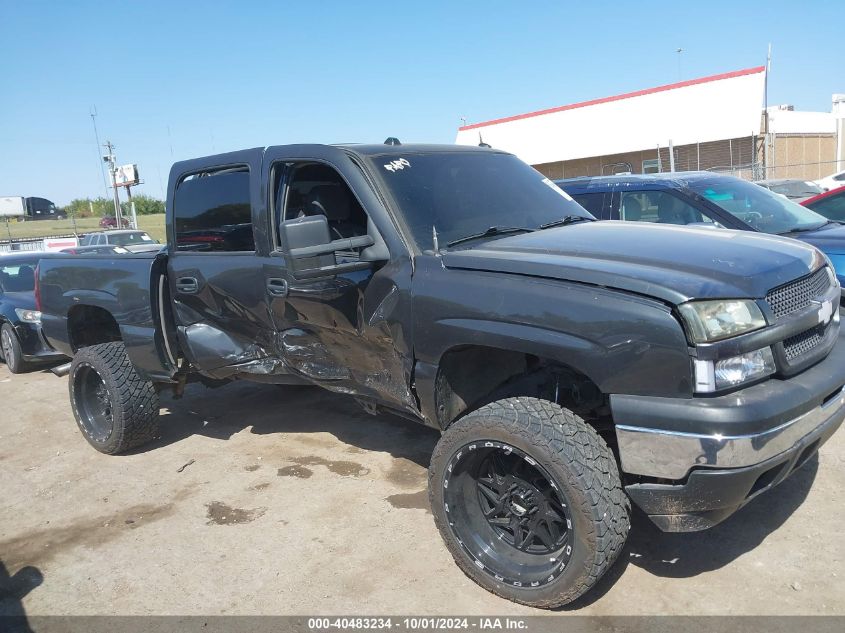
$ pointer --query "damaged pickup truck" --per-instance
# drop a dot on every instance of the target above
(572, 366)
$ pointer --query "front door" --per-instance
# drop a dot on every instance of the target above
(215, 272)
(346, 331)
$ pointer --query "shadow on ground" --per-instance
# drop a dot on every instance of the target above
(221, 413)
(266, 409)
(13, 589)
(686, 555)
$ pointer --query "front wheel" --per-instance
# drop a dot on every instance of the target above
(114, 407)
(528, 499)
(10, 348)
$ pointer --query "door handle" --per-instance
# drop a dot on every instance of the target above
(277, 287)
(187, 285)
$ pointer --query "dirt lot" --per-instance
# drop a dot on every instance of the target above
(271, 500)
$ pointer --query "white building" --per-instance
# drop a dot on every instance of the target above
(714, 122)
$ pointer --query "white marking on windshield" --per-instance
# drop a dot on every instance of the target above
(396, 165)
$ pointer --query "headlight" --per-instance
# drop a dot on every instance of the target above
(710, 321)
(730, 372)
(29, 316)
(836, 266)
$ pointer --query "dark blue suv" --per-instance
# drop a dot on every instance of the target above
(704, 199)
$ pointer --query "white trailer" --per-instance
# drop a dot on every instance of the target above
(12, 206)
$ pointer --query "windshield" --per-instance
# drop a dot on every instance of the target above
(795, 188)
(127, 239)
(765, 211)
(467, 193)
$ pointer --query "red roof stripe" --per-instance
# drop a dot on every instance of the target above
(627, 95)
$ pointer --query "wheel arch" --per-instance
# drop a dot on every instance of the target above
(90, 325)
(470, 375)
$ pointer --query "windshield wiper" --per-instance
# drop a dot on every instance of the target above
(569, 219)
(805, 229)
(491, 232)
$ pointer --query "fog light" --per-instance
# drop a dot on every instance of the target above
(730, 372)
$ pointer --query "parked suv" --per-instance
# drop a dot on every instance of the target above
(132, 240)
(704, 199)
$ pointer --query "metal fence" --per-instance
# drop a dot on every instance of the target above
(812, 170)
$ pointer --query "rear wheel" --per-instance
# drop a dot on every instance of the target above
(527, 498)
(11, 350)
(114, 407)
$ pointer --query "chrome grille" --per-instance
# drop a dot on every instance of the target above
(800, 344)
(797, 295)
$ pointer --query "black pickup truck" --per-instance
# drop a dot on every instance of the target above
(573, 366)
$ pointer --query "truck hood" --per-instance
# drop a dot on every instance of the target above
(671, 263)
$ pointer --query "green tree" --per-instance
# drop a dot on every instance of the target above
(83, 207)
(144, 205)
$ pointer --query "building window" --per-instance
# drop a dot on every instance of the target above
(651, 166)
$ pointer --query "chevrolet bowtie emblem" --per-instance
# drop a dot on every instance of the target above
(825, 310)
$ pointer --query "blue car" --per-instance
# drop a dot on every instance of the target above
(22, 344)
(705, 199)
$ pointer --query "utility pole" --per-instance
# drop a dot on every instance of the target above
(766, 135)
(97, 138)
(110, 159)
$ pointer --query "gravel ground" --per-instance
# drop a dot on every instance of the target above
(280, 500)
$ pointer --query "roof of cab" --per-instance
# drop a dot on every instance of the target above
(666, 180)
(381, 149)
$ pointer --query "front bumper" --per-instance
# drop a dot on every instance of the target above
(34, 346)
(712, 455)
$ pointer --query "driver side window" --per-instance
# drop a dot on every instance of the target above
(309, 189)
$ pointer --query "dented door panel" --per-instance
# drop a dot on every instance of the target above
(347, 333)
(225, 322)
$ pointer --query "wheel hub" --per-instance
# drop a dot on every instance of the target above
(508, 514)
(522, 501)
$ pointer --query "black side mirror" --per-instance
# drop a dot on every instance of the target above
(312, 251)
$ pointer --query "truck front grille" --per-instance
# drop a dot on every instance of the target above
(797, 295)
(804, 342)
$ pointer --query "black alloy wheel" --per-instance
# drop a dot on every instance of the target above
(508, 513)
(94, 404)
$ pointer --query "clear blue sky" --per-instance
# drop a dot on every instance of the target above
(229, 75)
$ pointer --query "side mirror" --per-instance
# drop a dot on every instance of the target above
(312, 251)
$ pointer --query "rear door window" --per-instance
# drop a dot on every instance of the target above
(212, 211)
(660, 207)
(592, 202)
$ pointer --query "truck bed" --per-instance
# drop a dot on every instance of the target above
(120, 294)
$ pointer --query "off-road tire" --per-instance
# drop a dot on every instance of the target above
(585, 470)
(14, 356)
(134, 401)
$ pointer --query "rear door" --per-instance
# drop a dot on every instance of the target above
(215, 269)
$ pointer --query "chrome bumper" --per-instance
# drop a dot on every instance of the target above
(672, 454)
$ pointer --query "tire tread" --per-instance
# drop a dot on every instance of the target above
(573, 444)
(136, 400)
